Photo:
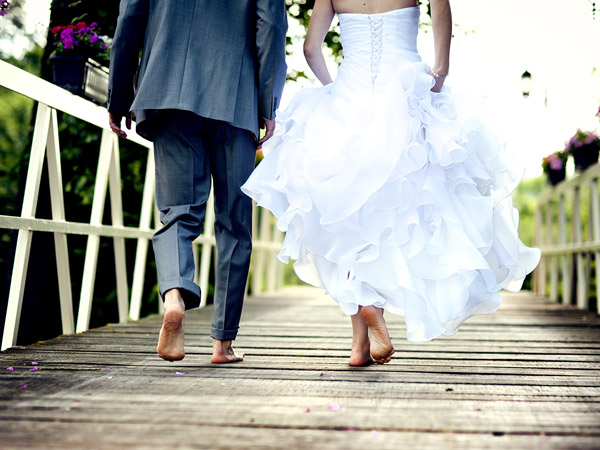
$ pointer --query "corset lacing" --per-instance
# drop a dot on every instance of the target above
(376, 24)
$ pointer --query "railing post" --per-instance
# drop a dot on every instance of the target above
(32, 187)
(582, 281)
(271, 263)
(553, 259)
(539, 275)
(116, 209)
(274, 266)
(141, 254)
(259, 254)
(93, 244)
(207, 248)
(595, 226)
(60, 239)
(566, 258)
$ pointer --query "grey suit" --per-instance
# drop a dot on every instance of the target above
(209, 70)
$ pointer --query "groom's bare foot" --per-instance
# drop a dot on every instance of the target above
(224, 353)
(361, 347)
(171, 338)
(381, 344)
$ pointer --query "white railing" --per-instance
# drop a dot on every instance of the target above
(567, 222)
(266, 272)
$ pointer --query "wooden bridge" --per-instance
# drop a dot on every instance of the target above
(525, 377)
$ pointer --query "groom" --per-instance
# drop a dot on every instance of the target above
(211, 73)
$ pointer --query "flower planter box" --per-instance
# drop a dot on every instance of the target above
(556, 176)
(82, 76)
(585, 156)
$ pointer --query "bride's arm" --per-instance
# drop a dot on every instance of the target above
(320, 21)
(441, 20)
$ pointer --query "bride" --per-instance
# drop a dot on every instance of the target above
(392, 197)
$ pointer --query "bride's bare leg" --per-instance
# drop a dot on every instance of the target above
(361, 347)
(381, 344)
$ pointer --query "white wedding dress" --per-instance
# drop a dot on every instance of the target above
(388, 195)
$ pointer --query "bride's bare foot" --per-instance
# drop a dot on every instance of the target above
(224, 353)
(361, 347)
(381, 344)
(171, 338)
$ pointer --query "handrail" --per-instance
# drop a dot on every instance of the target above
(45, 144)
(568, 242)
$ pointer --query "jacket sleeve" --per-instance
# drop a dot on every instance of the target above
(271, 28)
(124, 54)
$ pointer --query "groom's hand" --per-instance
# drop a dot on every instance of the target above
(114, 120)
(269, 126)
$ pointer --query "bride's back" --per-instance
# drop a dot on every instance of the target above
(370, 6)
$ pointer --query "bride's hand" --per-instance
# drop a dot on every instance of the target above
(439, 82)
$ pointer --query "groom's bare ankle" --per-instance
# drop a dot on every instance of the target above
(223, 352)
(174, 299)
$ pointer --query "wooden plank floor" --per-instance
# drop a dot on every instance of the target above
(525, 377)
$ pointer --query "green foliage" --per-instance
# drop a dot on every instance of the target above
(525, 199)
(301, 10)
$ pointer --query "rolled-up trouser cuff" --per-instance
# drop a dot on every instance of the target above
(190, 291)
(221, 334)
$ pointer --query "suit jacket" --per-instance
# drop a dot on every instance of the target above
(221, 59)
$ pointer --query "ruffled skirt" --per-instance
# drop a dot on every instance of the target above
(393, 197)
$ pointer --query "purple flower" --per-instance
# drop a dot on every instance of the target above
(555, 162)
(78, 39)
(590, 138)
(67, 32)
(68, 43)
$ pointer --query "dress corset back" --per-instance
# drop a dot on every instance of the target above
(369, 39)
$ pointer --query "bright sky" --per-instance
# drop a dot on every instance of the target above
(36, 22)
(557, 41)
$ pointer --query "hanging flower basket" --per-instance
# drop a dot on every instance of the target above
(554, 167)
(585, 156)
(556, 176)
(585, 148)
(77, 48)
(81, 76)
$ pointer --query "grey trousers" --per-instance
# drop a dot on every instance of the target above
(188, 150)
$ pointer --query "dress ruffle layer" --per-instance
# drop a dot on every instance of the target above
(393, 198)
